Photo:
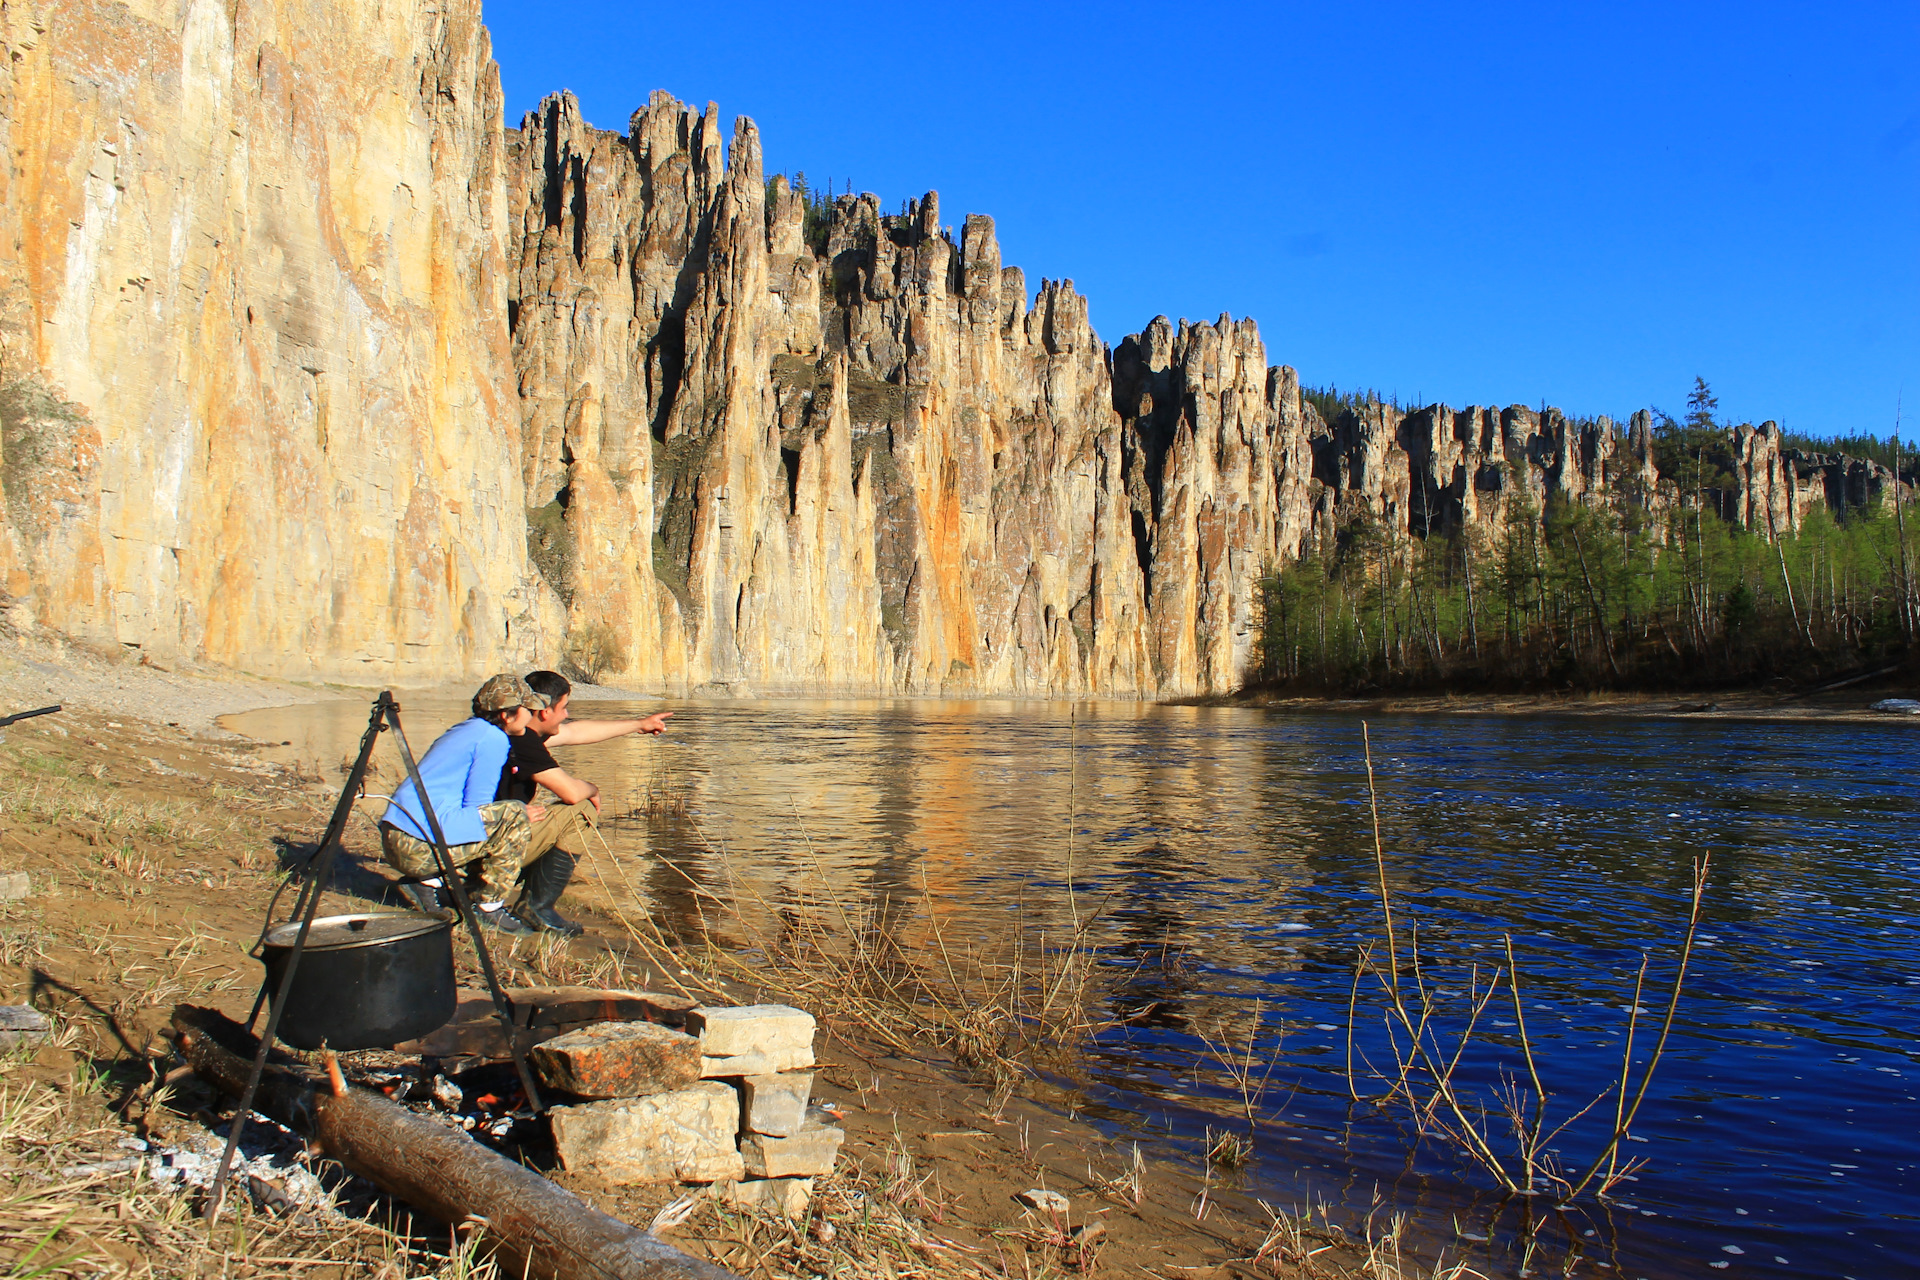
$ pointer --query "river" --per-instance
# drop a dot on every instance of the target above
(1226, 857)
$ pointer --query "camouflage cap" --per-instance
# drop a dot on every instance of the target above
(506, 691)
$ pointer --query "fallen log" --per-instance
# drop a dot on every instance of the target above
(534, 1227)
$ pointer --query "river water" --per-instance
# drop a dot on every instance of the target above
(1229, 856)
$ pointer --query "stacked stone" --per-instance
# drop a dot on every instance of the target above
(723, 1102)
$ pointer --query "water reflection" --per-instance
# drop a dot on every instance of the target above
(1230, 855)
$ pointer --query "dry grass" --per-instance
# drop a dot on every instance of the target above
(51, 789)
(1306, 1243)
(1512, 1136)
(882, 1220)
(664, 795)
(70, 1206)
(1003, 1015)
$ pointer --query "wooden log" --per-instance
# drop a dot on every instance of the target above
(534, 1227)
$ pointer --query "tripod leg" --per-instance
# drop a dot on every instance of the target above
(319, 868)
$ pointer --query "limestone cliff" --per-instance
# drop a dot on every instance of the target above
(869, 463)
(309, 366)
(768, 449)
(253, 347)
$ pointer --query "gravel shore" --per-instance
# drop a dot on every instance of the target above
(38, 672)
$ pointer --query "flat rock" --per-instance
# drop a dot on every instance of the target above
(775, 1104)
(683, 1136)
(22, 1024)
(771, 1029)
(566, 1006)
(543, 1013)
(810, 1151)
(787, 1196)
(755, 1064)
(15, 884)
(618, 1060)
(1043, 1200)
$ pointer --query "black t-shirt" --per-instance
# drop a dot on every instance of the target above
(527, 755)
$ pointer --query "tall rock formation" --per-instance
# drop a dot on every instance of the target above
(253, 365)
(773, 446)
(864, 461)
(307, 366)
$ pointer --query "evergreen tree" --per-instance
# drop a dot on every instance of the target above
(1700, 406)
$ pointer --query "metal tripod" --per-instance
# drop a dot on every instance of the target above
(317, 871)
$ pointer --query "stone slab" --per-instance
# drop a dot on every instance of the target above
(683, 1136)
(810, 1151)
(15, 884)
(22, 1024)
(565, 1006)
(751, 1029)
(775, 1104)
(786, 1196)
(618, 1060)
(755, 1064)
(543, 1012)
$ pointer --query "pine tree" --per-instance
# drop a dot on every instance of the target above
(1700, 406)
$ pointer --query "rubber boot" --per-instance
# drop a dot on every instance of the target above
(545, 880)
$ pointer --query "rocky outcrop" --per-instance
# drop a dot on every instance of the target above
(308, 367)
(1437, 470)
(774, 446)
(1774, 488)
(253, 363)
(862, 462)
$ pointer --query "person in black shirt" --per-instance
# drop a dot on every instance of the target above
(556, 843)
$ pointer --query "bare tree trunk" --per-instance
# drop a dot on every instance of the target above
(1466, 565)
(1773, 536)
(1599, 616)
(1900, 531)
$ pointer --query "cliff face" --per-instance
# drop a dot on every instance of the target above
(754, 464)
(769, 453)
(306, 366)
(253, 361)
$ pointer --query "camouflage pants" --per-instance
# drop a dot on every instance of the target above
(500, 855)
(561, 829)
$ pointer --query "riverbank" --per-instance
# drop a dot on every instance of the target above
(1838, 706)
(153, 840)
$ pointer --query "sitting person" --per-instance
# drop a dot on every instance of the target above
(556, 843)
(461, 774)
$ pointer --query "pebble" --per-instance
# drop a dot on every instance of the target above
(1044, 1200)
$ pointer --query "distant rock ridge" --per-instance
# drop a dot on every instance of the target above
(312, 367)
(877, 463)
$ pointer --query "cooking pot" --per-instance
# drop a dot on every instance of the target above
(365, 981)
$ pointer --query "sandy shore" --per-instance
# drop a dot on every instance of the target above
(43, 671)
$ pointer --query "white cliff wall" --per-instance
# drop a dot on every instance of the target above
(252, 326)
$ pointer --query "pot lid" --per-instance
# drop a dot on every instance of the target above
(366, 929)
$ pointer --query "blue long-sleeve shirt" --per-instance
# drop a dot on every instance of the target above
(461, 771)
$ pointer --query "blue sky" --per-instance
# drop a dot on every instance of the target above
(1581, 205)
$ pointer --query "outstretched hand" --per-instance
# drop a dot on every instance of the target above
(655, 724)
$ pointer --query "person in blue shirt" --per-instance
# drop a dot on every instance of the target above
(461, 773)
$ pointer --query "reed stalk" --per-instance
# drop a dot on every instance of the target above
(1425, 1071)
